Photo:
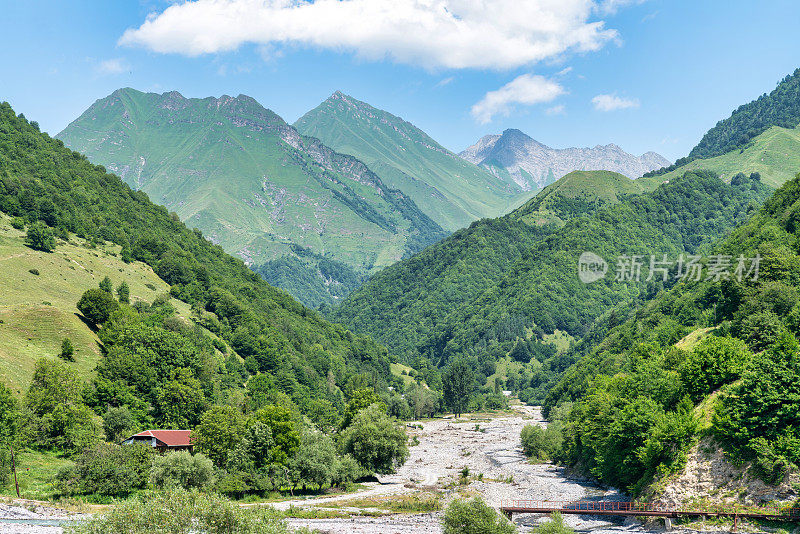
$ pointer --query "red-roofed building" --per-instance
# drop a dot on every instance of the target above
(163, 440)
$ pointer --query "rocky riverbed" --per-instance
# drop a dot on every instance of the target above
(499, 471)
(19, 516)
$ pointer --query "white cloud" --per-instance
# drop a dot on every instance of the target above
(526, 89)
(113, 66)
(613, 102)
(555, 110)
(609, 7)
(445, 81)
(497, 34)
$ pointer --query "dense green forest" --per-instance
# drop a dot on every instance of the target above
(499, 282)
(637, 399)
(315, 280)
(781, 108)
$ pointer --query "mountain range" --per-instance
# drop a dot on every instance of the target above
(249, 181)
(518, 159)
(501, 278)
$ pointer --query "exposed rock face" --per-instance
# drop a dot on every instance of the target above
(708, 474)
(531, 165)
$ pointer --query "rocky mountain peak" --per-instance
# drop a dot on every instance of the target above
(533, 165)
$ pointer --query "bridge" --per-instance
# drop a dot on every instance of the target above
(626, 508)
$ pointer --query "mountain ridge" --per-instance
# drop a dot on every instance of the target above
(451, 191)
(515, 156)
(250, 181)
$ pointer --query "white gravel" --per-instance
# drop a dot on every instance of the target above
(445, 447)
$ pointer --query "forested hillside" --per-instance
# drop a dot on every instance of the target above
(251, 182)
(502, 280)
(318, 281)
(578, 193)
(712, 359)
(47, 186)
(753, 139)
(781, 108)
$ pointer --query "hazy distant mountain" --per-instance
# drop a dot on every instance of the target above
(448, 189)
(517, 158)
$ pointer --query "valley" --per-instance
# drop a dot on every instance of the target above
(300, 310)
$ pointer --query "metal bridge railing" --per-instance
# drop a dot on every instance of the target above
(628, 506)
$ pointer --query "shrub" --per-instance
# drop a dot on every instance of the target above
(496, 401)
(541, 444)
(181, 469)
(106, 285)
(556, 525)
(34, 272)
(18, 223)
(108, 469)
(67, 350)
(124, 293)
(117, 422)
(40, 237)
(714, 362)
(179, 511)
(474, 517)
(97, 305)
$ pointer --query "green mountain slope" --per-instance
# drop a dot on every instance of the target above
(781, 108)
(503, 279)
(774, 154)
(321, 281)
(451, 191)
(760, 136)
(709, 359)
(248, 180)
(302, 355)
(577, 193)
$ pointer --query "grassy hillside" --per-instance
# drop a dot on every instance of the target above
(448, 189)
(490, 284)
(775, 154)
(38, 311)
(248, 180)
(577, 193)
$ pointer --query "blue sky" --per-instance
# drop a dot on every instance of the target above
(646, 75)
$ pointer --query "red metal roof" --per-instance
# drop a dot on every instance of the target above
(170, 438)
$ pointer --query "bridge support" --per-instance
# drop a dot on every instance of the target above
(668, 524)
